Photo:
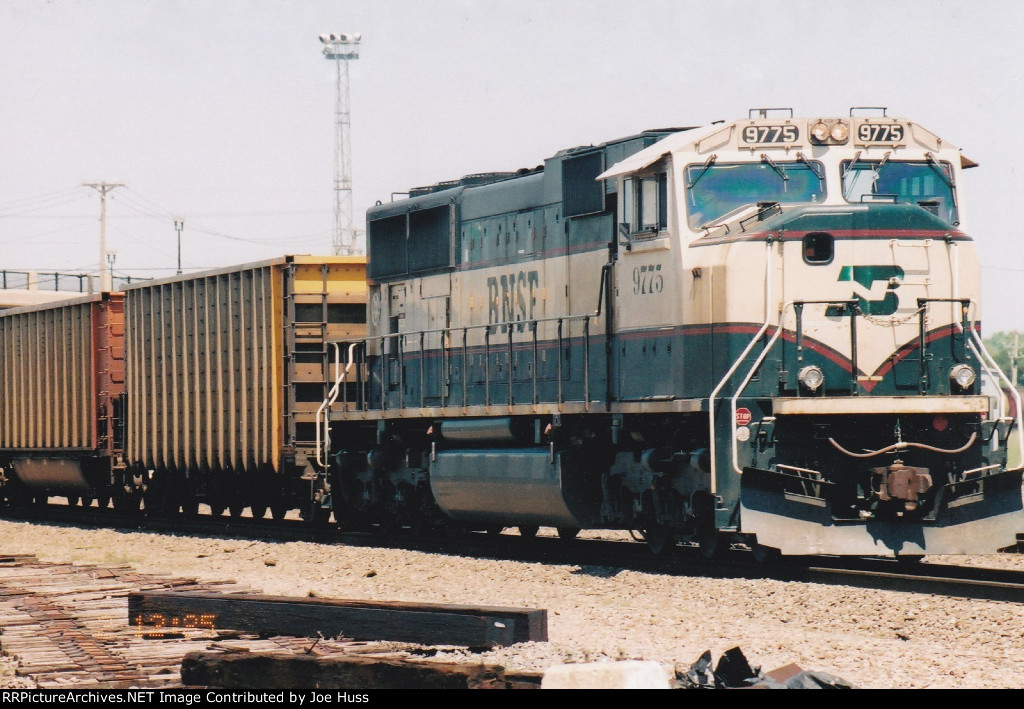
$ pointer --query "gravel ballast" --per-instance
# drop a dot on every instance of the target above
(873, 639)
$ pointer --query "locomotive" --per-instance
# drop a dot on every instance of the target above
(763, 331)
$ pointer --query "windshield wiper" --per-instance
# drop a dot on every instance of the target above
(707, 166)
(810, 165)
(934, 165)
(777, 168)
(849, 167)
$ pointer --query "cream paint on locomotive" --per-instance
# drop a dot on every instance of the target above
(723, 276)
(648, 284)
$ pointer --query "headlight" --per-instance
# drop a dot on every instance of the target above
(962, 375)
(811, 378)
(840, 132)
(819, 132)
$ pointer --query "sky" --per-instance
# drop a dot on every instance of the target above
(221, 114)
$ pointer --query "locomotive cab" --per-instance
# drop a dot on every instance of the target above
(825, 280)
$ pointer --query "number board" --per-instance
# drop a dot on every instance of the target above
(770, 134)
(880, 133)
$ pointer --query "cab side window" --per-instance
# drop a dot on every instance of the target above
(645, 204)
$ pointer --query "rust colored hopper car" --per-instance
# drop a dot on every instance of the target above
(62, 375)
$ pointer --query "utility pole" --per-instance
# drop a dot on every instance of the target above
(106, 283)
(179, 224)
(1013, 359)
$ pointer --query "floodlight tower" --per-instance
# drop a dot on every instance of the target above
(341, 48)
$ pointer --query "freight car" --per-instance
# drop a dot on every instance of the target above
(62, 384)
(197, 388)
(763, 331)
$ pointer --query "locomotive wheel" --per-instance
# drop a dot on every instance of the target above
(74, 501)
(454, 531)
(528, 531)
(568, 532)
(103, 501)
(710, 543)
(763, 554)
(278, 511)
(909, 559)
(659, 537)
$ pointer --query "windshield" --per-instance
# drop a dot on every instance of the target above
(715, 190)
(927, 184)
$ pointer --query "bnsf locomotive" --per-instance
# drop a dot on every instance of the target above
(763, 331)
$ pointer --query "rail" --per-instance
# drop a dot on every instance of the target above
(453, 345)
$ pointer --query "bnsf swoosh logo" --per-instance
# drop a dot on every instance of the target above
(867, 288)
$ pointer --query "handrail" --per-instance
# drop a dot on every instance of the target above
(979, 349)
(450, 344)
(743, 385)
(986, 360)
(323, 443)
(712, 448)
(797, 306)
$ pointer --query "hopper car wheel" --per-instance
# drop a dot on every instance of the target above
(236, 509)
(74, 501)
(659, 538)
(528, 531)
(278, 511)
(103, 501)
(568, 533)
(190, 507)
(315, 514)
(258, 511)
(128, 502)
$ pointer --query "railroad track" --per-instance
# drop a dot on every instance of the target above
(67, 627)
(980, 583)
